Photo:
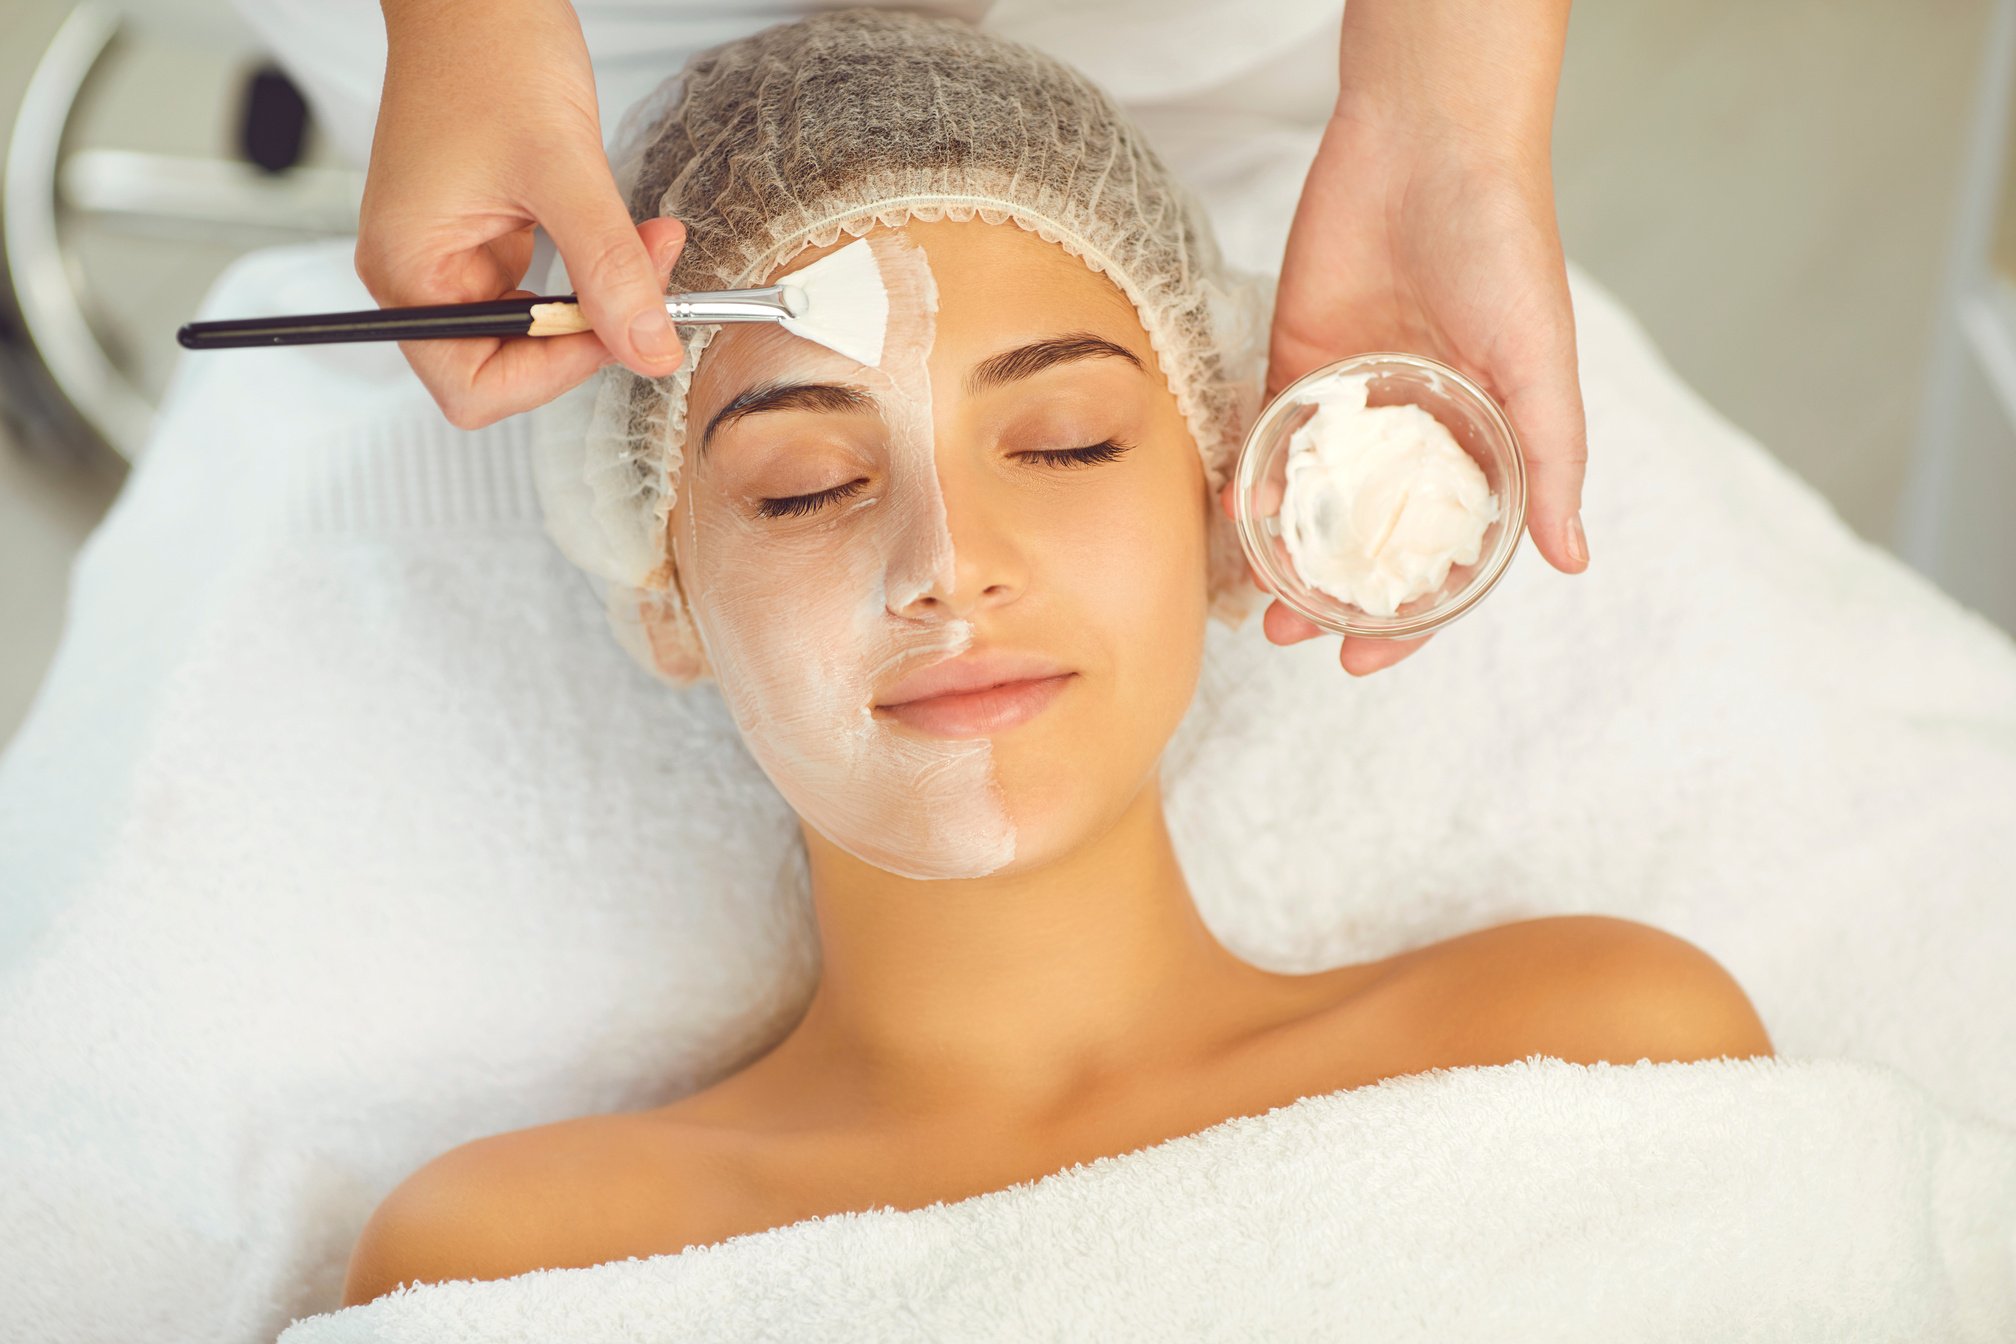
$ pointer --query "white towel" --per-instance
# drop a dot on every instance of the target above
(1726, 1200)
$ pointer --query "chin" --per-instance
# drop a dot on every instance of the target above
(1053, 810)
(1058, 801)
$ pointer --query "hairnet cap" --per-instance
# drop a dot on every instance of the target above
(835, 124)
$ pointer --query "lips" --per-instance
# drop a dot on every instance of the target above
(980, 692)
(975, 670)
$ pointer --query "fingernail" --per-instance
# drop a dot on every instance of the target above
(1578, 543)
(651, 333)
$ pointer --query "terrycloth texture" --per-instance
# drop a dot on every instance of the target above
(342, 834)
(1726, 1200)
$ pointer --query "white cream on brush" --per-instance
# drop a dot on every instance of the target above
(1380, 501)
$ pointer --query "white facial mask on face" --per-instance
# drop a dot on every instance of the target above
(803, 620)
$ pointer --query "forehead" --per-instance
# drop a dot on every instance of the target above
(996, 264)
(998, 286)
(999, 281)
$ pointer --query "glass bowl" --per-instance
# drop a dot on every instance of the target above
(1470, 414)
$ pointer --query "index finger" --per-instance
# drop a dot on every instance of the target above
(478, 381)
(484, 379)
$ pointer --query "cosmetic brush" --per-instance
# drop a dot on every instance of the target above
(838, 301)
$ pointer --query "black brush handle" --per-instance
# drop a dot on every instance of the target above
(502, 317)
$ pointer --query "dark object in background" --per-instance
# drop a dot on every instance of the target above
(275, 125)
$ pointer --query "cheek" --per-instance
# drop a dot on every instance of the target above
(784, 615)
(1133, 552)
(1125, 566)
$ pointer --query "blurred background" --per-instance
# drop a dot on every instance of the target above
(1807, 203)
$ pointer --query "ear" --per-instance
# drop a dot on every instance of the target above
(676, 652)
(670, 636)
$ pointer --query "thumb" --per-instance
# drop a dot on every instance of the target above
(1553, 436)
(620, 287)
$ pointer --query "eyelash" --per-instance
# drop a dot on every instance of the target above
(796, 506)
(1098, 452)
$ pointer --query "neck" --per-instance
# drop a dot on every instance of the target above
(1011, 993)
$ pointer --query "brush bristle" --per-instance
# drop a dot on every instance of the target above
(846, 303)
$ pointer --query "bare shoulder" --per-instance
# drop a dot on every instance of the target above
(562, 1195)
(1594, 988)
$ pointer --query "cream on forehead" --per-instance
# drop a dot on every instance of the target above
(803, 629)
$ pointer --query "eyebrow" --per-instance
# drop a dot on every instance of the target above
(994, 371)
(1028, 360)
(831, 397)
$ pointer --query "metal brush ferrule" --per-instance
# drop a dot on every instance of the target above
(768, 304)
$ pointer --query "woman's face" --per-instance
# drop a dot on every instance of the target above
(1010, 488)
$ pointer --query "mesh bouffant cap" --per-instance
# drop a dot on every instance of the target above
(832, 125)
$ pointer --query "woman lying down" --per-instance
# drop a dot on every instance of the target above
(1021, 493)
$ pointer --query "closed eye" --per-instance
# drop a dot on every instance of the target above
(1066, 457)
(797, 506)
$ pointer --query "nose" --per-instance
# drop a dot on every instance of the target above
(958, 555)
